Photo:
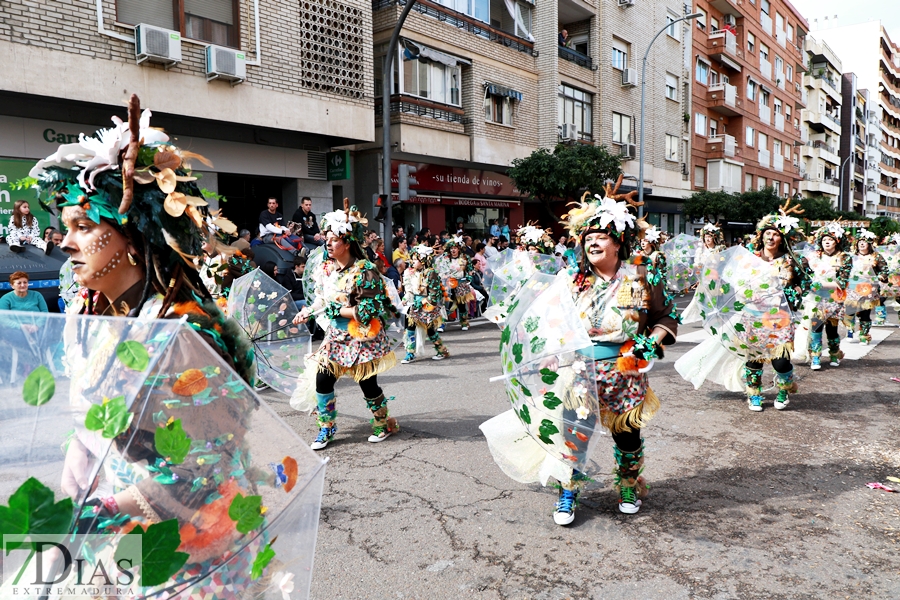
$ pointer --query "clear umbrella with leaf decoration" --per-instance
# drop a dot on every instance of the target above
(266, 310)
(550, 382)
(681, 270)
(212, 494)
(509, 270)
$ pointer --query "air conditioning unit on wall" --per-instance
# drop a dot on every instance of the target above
(225, 63)
(569, 132)
(156, 45)
(730, 19)
(628, 151)
(629, 77)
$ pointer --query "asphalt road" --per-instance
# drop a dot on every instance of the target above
(742, 505)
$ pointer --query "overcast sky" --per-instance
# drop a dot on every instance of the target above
(851, 13)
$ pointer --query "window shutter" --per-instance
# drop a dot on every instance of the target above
(152, 12)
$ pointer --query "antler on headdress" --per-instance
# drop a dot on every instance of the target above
(786, 208)
(131, 153)
(612, 192)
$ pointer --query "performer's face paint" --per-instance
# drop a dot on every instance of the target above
(828, 244)
(601, 248)
(98, 250)
(772, 239)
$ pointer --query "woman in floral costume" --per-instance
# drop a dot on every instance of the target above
(628, 318)
(868, 262)
(773, 246)
(424, 298)
(831, 265)
(534, 239)
(649, 245)
(712, 242)
(457, 270)
(352, 295)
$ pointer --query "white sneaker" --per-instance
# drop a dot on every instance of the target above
(374, 439)
(466, 328)
(565, 508)
(629, 503)
(437, 357)
(835, 363)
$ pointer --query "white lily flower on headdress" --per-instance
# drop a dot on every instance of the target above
(895, 237)
(711, 228)
(423, 250)
(530, 233)
(337, 222)
(835, 229)
(617, 213)
(785, 223)
(865, 234)
(457, 239)
(652, 234)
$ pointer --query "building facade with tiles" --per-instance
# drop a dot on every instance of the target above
(71, 64)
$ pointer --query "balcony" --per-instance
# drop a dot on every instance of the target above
(823, 81)
(765, 114)
(820, 185)
(819, 149)
(582, 60)
(763, 158)
(859, 143)
(892, 211)
(778, 162)
(765, 67)
(735, 7)
(820, 122)
(721, 143)
(722, 98)
(803, 99)
(804, 134)
(779, 79)
(766, 22)
(722, 46)
(779, 121)
(781, 36)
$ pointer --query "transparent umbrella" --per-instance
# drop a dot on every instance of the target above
(266, 310)
(863, 288)
(223, 495)
(891, 255)
(508, 271)
(680, 252)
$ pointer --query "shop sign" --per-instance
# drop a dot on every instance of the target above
(459, 180)
(395, 198)
(479, 203)
(844, 224)
(338, 165)
(10, 172)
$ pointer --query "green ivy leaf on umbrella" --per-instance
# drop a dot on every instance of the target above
(158, 556)
(246, 512)
(261, 561)
(545, 430)
(112, 417)
(172, 442)
(133, 355)
(39, 386)
(548, 376)
(32, 510)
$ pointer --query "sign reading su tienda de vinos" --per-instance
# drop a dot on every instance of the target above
(459, 180)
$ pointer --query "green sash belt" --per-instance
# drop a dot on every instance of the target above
(602, 350)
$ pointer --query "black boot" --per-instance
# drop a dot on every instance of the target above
(49, 248)
(17, 249)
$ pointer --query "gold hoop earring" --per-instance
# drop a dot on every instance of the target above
(132, 260)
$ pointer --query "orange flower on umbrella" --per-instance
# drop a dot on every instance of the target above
(838, 295)
(864, 289)
(779, 320)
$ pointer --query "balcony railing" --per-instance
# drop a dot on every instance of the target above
(765, 114)
(859, 142)
(763, 157)
(766, 22)
(462, 21)
(765, 67)
(779, 121)
(778, 162)
(826, 77)
(727, 141)
(723, 40)
(582, 60)
(420, 107)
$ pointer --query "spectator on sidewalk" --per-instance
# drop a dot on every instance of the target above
(24, 229)
(401, 249)
(243, 241)
(271, 227)
(309, 227)
(21, 298)
(490, 248)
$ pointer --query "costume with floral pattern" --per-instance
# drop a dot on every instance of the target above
(424, 299)
(457, 275)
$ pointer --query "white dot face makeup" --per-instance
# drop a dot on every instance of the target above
(97, 250)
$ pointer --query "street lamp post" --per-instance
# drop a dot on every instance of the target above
(643, 102)
(841, 183)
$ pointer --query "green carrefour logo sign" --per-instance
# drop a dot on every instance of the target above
(338, 165)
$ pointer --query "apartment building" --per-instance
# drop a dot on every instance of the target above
(821, 123)
(262, 88)
(479, 83)
(859, 175)
(867, 50)
(748, 95)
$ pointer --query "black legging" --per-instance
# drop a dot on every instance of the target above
(864, 315)
(781, 365)
(411, 326)
(628, 441)
(325, 385)
(831, 331)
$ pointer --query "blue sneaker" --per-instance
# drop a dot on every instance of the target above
(565, 507)
(326, 434)
(755, 403)
(850, 334)
(815, 363)
(408, 358)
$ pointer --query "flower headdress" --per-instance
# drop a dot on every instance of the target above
(714, 230)
(894, 238)
(532, 236)
(865, 234)
(348, 223)
(424, 253)
(653, 234)
(783, 222)
(834, 230)
(609, 213)
(131, 176)
(454, 241)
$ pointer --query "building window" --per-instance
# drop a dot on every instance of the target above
(621, 129)
(713, 128)
(701, 20)
(498, 109)
(778, 106)
(671, 147)
(702, 75)
(779, 64)
(787, 189)
(790, 33)
(760, 183)
(672, 29)
(431, 80)
(751, 43)
(212, 21)
(750, 138)
(751, 90)
(789, 73)
(764, 6)
(776, 146)
(575, 107)
(713, 24)
(764, 98)
(700, 177)
(748, 182)
(763, 52)
(671, 87)
(579, 43)
(700, 124)
(480, 9)
(619, 55)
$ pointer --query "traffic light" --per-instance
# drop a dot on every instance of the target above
(381, 202)
(405, 175)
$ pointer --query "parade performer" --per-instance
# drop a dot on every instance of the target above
(713, 242)
(870, 270)
(890, 250)
(457, 271)
(649, 245)
(424, 298)
(831, 266)
(535, 240)
(352, 294)
(773, 245)
(627, 321)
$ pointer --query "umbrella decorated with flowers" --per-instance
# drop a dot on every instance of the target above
(680, 252)
(863, 287)
(742, 303)
(266, 310)
(891, 254)
(550, 383)
(139, 435)
(507, 271)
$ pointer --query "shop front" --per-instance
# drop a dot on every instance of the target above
(452, 198)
